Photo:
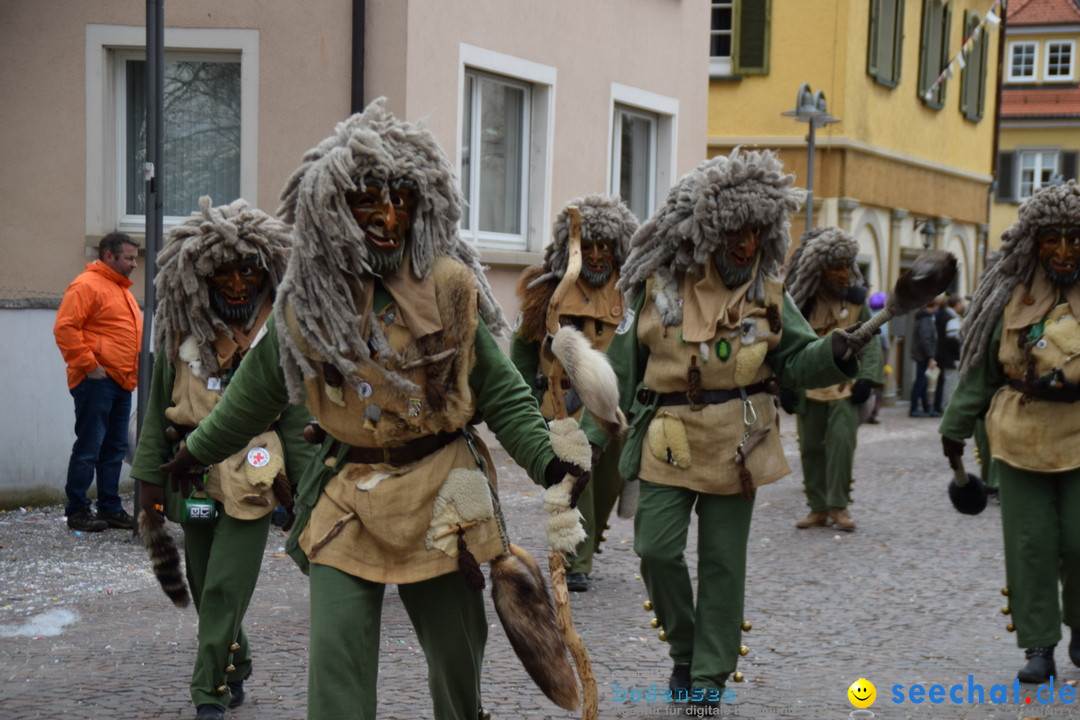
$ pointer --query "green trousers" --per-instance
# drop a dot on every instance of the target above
(1039, 518)
(707, 635)
(827, 435)
(346, 614)
(223, 559)
(595, 505)
(986, 466)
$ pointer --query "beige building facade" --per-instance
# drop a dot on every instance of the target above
(536, 103)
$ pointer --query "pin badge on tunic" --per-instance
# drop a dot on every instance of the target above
(258, 457)
(414, 407)
(363, 389)
(213, 384)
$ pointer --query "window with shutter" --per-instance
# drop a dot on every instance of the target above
(885, 45)
(973, 76)
(750, 49)
(934, 51)
(1068, 165)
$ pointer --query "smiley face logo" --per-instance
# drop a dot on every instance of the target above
(862, 693)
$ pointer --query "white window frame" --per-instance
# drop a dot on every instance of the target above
(665, 110)
(1047, 77)
(1011, 75)
(105, 139)
(721, 65)
(616, 154)
(540, 120)
(1037, 183)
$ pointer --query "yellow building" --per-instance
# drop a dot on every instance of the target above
(910, 162)
(1040, 104)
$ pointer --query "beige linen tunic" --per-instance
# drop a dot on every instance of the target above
(829, 313)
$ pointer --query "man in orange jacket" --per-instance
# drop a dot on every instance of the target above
(99, 332)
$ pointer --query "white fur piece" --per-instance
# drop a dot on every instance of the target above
(666, 298)
(557, 497)
(569, 442)
(592, 377)
(189, 353)
(564, 531)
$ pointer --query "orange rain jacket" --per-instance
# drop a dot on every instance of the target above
(100, 323)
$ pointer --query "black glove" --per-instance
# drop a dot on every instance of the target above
(558, 469)
(860, 391)
(952, 448)
(789, 400)
(152, 501)
(844, 344)
(185, 472)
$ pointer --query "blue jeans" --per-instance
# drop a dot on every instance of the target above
(920, 390)
(101, 437)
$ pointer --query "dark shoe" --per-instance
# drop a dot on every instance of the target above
(237, 690)
(577, 582)
(84, 520)
(209, 712)
(1040, 665)
(917, 414)
(119, 519)
(680, 678)
(1074, 648)
(934, 413)
(873, 420)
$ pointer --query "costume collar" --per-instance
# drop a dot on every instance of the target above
(226, 346)
(710, 304)
(829, 311)
(585, 300)
(415, 299)
(1029, 305)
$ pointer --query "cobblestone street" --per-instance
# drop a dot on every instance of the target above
(911, 598)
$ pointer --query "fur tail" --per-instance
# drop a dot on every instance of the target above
(592, 377)
(528, 616)
(165, 557)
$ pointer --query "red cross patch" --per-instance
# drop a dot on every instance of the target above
(258, 457)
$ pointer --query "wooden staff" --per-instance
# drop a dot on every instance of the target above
(557, 558)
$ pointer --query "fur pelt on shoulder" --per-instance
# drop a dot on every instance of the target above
(535, 294)
(722, 195)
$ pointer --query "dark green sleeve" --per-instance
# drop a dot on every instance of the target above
(508, 407)
(154, 449)
(299, 453)
(803, 360)
(973, 393)
(870, 365)
(628, 358)
(255, 398)
(526, 358)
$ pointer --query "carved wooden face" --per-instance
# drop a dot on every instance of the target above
(597, 260)
(736, 260)
(234, 288)
(1059, 254)
(383, 210)
(837, 277)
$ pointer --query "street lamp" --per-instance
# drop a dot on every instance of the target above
(928, 229)
(810, 108)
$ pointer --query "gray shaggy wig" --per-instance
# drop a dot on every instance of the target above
(603, 217)
(211, 237)
(818, 249)
(330, 250)
(722, 195)
(1017, 260)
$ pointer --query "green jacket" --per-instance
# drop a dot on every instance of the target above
(258, 393)
(154, 449)
(800, 360)
(971, 398)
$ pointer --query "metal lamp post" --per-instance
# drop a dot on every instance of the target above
(810, 108)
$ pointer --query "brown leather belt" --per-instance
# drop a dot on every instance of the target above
(410, 452)
(710, 397)
(1068, 393)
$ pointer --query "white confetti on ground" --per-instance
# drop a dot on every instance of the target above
(47, 624)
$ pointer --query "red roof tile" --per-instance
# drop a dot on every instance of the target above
(1041, 102)
(1043, 12)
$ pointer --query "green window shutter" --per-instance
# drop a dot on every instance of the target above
(750, 54)
(934, 50)
(973, 76)
(886, 41)
(1006, 162)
